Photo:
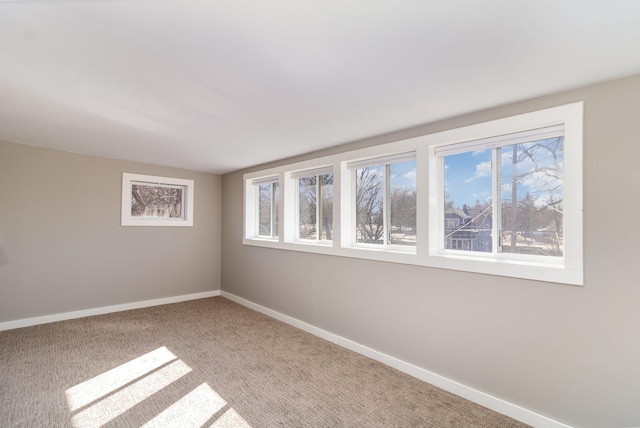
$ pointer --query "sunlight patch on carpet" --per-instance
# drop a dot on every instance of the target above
(192, 410)
(230, 419)
(106, 383)
(118, 403)
(109, 395)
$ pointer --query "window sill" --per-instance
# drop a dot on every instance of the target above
(265, 239)
(517, 259)
(398, 249)
(548, 271)
(323, 243)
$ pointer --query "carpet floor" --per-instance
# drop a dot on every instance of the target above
(209, 363)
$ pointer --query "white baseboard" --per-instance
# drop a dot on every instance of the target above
(489, 401)
(9, 325)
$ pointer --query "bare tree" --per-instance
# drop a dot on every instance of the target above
(369, 205)
(268, 209)
(307, 205)
(403, 203)
(156, 201)
(521, 216)
(316, 203)
(326, 206)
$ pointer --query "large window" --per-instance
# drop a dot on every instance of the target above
(500, 198)
(505, 196)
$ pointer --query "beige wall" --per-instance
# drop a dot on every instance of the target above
(62, 247)
(571, 353)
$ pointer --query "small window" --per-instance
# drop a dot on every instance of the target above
(315, 205)
(385, 200)
(156, 201)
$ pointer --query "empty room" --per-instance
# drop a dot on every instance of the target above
(319, 214)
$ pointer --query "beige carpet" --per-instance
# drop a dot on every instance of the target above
(208, 363)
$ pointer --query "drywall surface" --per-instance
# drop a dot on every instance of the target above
(567, 352)
(62, 247)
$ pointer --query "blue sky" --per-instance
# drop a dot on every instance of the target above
(404, 174)
(468, 175)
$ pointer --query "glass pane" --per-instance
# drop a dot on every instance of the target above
(468, 201)
(157, 201)
(531, 187)
(326, 207)
(264, 209)
(369, 207)
(307, 207)
(403, 203)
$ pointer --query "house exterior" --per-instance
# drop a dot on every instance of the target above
(468, 229)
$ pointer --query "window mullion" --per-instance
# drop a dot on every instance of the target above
(354, 207)
(386, 204)
(270, 210)
(273, 209)
(298, 207)
(318, 207)
(496, 200)
(439, 221)
(257, 211)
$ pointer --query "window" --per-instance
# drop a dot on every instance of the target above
(315, 204)
(500, 198)
(504, 197)
(511, 196)
(385, 200)
(156, 201)
(267, 199)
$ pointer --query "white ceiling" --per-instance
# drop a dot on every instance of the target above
(220, 85)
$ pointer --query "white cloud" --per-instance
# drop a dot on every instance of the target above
(539, 185)
(411, 177)
(483, 169)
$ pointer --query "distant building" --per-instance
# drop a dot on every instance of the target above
(468, 229)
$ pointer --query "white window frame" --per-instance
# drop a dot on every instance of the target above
(385, 162)
(492, 144)
(429, 218)
(252, 207)
(128, 180)
(565, 269)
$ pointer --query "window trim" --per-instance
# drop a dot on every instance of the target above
(428, 218)
(565, 269)
(252, 206)
(385, 162)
